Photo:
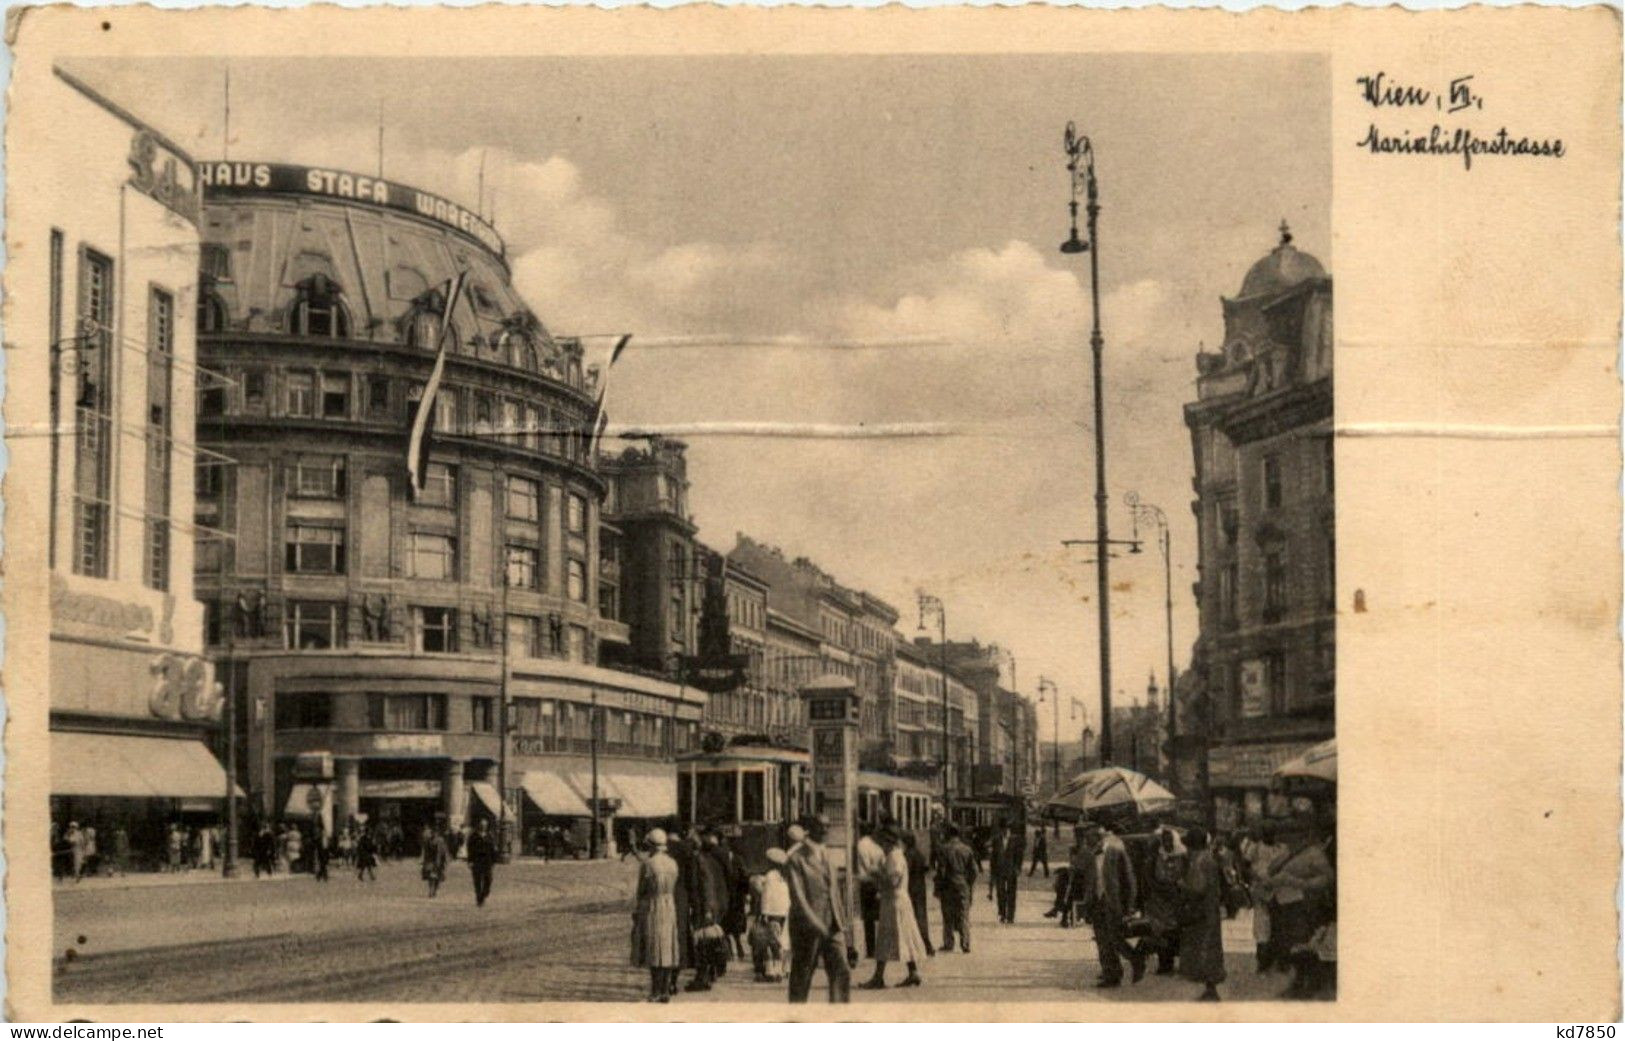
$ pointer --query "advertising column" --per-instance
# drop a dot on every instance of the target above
(832, 716)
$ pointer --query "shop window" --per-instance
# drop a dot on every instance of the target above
(314, 550)
(524, 499)
(336, 396)
(304, 710)
(319, 477)
(439, 485)
(434, 556)
(313, 626)
(436, 629)
(319, 309)
(482, 715)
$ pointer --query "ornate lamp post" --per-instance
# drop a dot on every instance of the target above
(1147, 513)
(1080, 163)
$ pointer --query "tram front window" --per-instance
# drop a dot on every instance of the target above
(717, 797)
(754, 790)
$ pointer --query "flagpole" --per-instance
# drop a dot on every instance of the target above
(225, 133)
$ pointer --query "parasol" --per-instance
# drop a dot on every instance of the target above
(1318, 763)
(1111, 789)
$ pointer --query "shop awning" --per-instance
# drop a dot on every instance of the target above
(134, 766)
(553, 795)
(486, 793)
(299, 800)
(646, 795)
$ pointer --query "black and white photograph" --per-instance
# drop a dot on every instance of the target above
(725, 531)
(858, 526)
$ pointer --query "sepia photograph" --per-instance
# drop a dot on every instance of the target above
(689, 530)
(520, 515)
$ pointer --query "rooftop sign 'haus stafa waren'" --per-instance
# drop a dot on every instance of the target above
(220, 178)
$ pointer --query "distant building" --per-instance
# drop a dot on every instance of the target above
(1261, 434)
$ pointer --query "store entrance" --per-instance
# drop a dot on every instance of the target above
(399, 824)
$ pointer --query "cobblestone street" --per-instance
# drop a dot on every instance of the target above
(551, 932)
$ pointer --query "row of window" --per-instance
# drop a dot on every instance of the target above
(1278, 600)
(560, 724)
(320, 625)
(320, 308)
(342, 395)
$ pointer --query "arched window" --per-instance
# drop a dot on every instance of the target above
(518, 350)
(318, 309)
(423, 328)
(211, 312)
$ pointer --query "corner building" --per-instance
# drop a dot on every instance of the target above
(382, 645)
(1261, 432)
(101, 355)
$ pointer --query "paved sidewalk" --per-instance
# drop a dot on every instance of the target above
(1033, 960)
(155, 879)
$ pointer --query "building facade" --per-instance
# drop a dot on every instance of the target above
(101, 292)
(1261, 434)
(394, 652)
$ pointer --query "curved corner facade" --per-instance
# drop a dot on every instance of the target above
(374, 637)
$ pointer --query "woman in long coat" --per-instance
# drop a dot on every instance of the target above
(897, 937)
(1164, 897)
(1201, 944)
(435, 857)
(654, 923)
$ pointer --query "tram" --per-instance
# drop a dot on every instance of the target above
(754, 791)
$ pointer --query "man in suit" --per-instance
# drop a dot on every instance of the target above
(1008, 852)
(482, 860)
(1109, 893)
(956, 882)
(818, 917)
(871, 859)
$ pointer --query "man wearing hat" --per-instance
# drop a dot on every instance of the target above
(956, 881)
(818, 917)
(1109, 891)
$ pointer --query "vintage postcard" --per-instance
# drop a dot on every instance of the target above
(726, 514)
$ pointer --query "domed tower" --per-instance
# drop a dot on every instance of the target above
(376, 635)
(1261, 435)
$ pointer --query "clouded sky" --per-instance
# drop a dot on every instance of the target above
(897, 220)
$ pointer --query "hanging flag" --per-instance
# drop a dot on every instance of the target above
(600, 419)
(417, 445)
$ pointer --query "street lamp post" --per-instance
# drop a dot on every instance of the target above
(1153, 515)
(933, 605)
(1080, 156)
(1055, 710)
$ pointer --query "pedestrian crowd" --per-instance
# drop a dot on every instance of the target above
(1157, 896)
(79, 851)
